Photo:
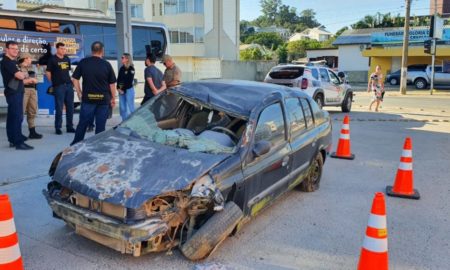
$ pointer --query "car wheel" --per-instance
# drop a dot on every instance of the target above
(216, 229)
(347, 102)
(319, 100)
(393, 81)
(312, 180)
(420, 83)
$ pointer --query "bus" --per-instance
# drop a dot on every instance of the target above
(37, 32)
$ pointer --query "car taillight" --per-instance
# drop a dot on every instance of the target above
(304, 84)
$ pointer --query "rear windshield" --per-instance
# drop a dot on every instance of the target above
(286, 72)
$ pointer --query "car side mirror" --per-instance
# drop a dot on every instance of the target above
(261, 148)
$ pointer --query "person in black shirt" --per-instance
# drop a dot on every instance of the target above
(57, 72)
(125, 86)
(14, 89)
(98, 93)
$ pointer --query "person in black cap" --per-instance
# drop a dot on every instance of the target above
(98, 93)
(57, 72)
(14, 90)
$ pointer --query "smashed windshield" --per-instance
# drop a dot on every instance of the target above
(161, 120)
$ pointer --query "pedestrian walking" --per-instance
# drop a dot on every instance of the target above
(98, 92)
(57, 72)
(153, 78)
(14, 91)
(172, 74)
(125, 88)
(30, 95)
(376, 85)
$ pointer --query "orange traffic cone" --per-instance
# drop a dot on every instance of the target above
(343, 148)
(10, 258)
(403, 185)
(374, 252)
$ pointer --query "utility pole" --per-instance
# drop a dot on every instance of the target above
(433, 49)
(404, 69)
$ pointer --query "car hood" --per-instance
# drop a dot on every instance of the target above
(125, 170)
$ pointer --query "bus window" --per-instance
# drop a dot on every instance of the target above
(41, 26)
(90, 34)
(140, 39)
(8, 23)
(67, 28)
(157, 41)
(110, 41)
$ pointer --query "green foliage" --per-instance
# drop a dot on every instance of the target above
(268, 40)
(342, 30)
(380, 20)
(297, 49)
(282, 54)
(269, 9)
(251, 54)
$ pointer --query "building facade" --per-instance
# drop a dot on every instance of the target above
(198, 29)
(316, 33)
(442, 7)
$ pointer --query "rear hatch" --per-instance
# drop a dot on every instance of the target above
(285, 75)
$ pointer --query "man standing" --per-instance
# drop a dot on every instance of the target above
(172, 74)
(154, 83)
(57, 72)
(14, 90)
(98, 93)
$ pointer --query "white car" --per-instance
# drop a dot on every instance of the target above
(319, 82)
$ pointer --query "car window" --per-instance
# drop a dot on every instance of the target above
(270, 125)
(315, 73)
(437, 69)
(324, 75)
(334, 78)
(308, 114)
(286, 72)
(296, 118)
(319, 116)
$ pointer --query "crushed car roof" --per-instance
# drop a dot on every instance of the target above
(236, 96)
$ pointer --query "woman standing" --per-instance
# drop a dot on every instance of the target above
(125, 86)
(30, 95)
(376, 85)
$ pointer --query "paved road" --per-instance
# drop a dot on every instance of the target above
(320, 230)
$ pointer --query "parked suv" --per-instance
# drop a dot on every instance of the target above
(319, 82)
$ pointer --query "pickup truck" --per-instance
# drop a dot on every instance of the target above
(422, 79)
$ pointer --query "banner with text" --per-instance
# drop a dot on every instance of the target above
(415, 36)
(41, 45)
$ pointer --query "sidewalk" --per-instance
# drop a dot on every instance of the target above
(411, 90)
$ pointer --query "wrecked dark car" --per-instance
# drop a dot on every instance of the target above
(190, 166)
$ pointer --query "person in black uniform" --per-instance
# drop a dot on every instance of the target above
(98, 93)
(14, 91)
(57, 72)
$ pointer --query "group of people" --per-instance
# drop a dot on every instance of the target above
(97, 92)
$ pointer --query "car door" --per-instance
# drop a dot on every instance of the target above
(300, 140)
(266, 175)
(339, 87)
(328, 87)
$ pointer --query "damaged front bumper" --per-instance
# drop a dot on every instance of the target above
(136, 239)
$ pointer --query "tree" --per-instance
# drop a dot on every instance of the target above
(269, 9)
(282, 53)
(268, 40)
(251, 54)
(308, 18)
(342, 30)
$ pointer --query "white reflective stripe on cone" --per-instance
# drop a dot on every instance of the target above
(346, 126)
(9, 254)
(375, 245)
(345, 136)
(405, 166)
(407, 153)
(7, 227)
(377, 221)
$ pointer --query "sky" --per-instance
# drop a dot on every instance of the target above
(336, 14)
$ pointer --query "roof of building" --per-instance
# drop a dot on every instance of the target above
(318, 30)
